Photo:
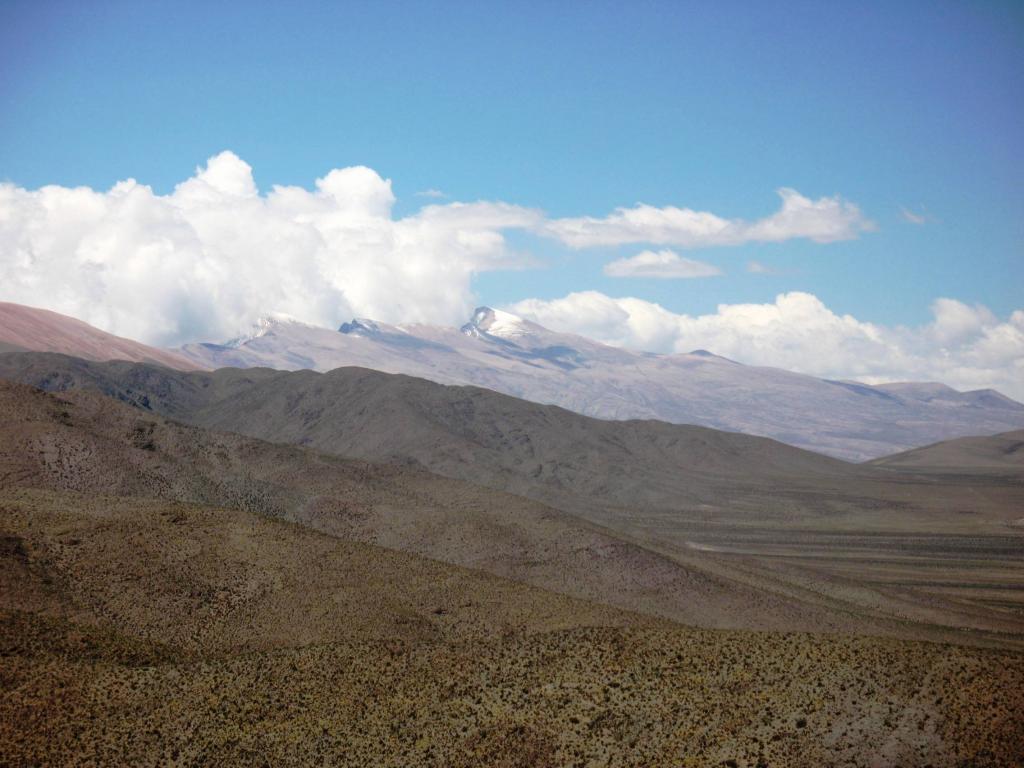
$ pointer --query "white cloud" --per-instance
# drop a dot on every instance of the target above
(912, 217)
(825, 220)
(963, 346)
(664, 264)
(434, 193)
(757, 268)
(204, 261)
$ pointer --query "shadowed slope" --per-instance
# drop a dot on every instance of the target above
(587, 466)
(463, 432)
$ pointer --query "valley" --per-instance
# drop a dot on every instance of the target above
(173, 595)
(924, 554)
(511, 385)
(480, 579)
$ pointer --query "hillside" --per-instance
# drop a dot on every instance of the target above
(83, 443)
(989, 453)
(465, 432)
(155, 610)
(44, 331)
(759, 516)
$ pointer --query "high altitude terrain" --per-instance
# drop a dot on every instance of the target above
(245, 565)
(178, 596)
(514, 356)
(829, 538)
(507, 354)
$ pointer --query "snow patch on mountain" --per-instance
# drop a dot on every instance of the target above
(496, 323)
(267, 324)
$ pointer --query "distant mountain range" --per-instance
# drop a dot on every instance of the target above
(505, 353)
(514, 356)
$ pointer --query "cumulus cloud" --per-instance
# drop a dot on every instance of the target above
(967, 347)
(825, 220)
(663, 264)
(206, 260)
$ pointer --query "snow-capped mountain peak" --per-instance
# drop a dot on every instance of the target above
(510, 354)
(496, 323)
(360, 326)
(264, 325)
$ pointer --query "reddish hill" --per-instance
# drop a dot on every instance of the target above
(41, 330)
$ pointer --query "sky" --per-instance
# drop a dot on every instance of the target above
(774, 177)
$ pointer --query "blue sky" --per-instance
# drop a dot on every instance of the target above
(575, 109)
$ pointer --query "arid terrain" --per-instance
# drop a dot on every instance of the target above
(504, 353)
(936, 549)
(176, 594)
(511, 384)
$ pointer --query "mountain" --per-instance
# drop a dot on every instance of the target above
(45, 331)
(470, 433)
(514, 356)
(838, 538)
(175, 596)
(1002, 453)
(91, 444)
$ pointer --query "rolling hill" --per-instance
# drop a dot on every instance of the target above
(1002, 453)
(745, 511)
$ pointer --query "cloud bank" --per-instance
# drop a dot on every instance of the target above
(204, 261)
(661, 264)
(826, 220)
(966, 347)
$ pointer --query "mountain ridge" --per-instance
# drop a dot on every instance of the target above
(499, 351)
(749, 510)
(504, 353)
(1002, 453)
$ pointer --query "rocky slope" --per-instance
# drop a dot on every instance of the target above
(87, 444)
